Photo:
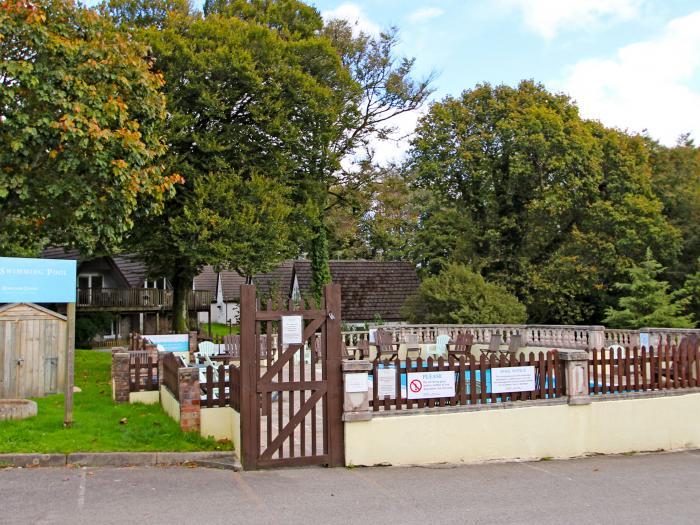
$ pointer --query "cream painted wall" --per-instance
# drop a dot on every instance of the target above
(149, 398)
(169, 403)
(533, 432)
(221, 423)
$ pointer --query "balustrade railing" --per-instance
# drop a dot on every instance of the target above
(146, 298)
(550, 336)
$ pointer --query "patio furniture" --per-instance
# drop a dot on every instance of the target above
(363, 348)
(232, 346)
(412, 345)
(441, 345)
(462, 345)
(386, 347)
(207, 349)
(515, 343)
(494, 345)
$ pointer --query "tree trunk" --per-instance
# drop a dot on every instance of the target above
(320, 270)
(182, 286)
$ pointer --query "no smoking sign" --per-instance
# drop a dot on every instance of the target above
(416, 386)
(425, 385)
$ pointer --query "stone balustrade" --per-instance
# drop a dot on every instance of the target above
(546, 336)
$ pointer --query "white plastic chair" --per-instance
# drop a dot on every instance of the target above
(207, 349)
(441, 345)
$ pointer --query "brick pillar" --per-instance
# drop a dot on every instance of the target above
(355, 398)
(576, 376)
(189, 394)
(120, 375)
(192, 345)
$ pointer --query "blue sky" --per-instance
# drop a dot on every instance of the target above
(632, 64)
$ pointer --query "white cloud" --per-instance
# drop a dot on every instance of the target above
(646, 85)
(353, 14)
(548, 17)
(420, 15)
(394, 149)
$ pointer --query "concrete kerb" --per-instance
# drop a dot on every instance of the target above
(226, 460)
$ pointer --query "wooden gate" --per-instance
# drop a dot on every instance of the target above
(291, 394)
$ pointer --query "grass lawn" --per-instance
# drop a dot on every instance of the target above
(96, 417)
(218, 329)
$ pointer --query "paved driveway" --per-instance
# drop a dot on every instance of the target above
(653, 489)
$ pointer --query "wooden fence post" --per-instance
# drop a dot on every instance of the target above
(334, 376)
(250, 441)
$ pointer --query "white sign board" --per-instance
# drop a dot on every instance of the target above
(386, 385)
(292, 329)
(170, 342)
(512, 379)
(356, 382)
(424, 385)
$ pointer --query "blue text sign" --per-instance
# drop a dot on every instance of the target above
(37, 280)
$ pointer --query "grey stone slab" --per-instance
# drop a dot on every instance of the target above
(112, 459)
(33, 460)
(178, 458)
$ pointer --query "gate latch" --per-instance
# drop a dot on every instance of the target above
(331, 316)
(20, 361)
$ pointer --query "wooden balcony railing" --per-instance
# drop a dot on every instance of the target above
(139, 299)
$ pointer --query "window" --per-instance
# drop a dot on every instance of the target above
(87, 281)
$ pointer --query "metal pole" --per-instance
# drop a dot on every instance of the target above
(70, 370)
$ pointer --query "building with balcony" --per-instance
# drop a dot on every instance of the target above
(119, 288)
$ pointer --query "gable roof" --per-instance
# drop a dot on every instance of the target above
(206, 280)
(7, 310)
(370, 289)
(231, 284)
(131, 269)
(276, 282)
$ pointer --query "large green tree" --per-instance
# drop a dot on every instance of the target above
(647, 301)
(535, 198)
(250, 107)
(81, 119)
(676, 180)
(459, 295)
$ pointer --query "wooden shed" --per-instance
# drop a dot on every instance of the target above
(32, 351)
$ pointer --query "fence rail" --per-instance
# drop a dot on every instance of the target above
(171, 364)
(633, 370)
(472, 380)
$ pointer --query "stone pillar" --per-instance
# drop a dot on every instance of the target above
(576, 376)
(192, 345)
(189, 396)
(356, 398)
(120, 375)
(596, 337)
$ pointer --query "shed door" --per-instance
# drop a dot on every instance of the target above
(9, 336)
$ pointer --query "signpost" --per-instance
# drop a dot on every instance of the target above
(45, 281)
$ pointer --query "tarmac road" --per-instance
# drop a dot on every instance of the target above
(640, 489)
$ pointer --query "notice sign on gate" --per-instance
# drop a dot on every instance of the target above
(292, 329)
(512, 379)
(424, 385)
